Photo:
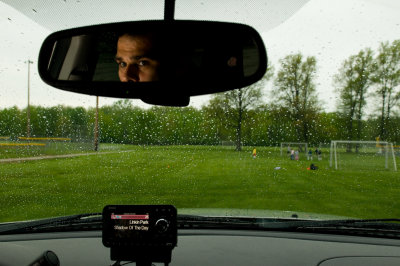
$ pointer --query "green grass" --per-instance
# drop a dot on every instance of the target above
(195, 177)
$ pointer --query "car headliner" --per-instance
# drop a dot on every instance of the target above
(61, 14)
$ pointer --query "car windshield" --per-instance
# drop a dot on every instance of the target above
(318, 137)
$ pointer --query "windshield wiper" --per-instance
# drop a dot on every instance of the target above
(87, 221)
(93, 221)
(373, 227)
(390, 223)
(197, 221)
(285, 223)
(367, 227)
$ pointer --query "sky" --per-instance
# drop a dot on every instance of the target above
(329, 30)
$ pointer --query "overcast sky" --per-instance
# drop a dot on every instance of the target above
(329, 30)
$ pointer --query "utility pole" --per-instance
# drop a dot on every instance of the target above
(28, 123)
(96, 126)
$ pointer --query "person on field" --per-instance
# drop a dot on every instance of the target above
(309, 155)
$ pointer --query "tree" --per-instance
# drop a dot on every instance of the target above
(295, 89)
(353, 80)
(232, 107)
(271, 125)
(12, 122)
(387, 80)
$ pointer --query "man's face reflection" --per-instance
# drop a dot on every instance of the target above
(135, 59)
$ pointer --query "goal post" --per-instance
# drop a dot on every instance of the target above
(382, 148)
(294, 144)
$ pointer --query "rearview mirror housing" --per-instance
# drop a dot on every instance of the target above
(161, 62)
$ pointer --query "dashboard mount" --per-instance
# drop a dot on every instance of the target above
(140, 233)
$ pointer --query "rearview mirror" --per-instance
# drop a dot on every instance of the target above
(160, 62)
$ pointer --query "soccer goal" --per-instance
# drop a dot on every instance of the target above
(288, 146)
(227, 143)
(362, 155)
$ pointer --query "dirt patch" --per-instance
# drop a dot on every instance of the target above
(45, 157)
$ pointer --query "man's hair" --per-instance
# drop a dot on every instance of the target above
(154, 38)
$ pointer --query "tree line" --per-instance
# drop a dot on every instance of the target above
(266, 125)
(241, 116)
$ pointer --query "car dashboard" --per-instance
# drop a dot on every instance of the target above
(212, 247)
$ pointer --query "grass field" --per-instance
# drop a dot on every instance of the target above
(196, 177)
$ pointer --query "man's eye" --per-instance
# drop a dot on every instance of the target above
(122, 64)
(143, 63)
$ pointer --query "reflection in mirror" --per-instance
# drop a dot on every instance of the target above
(138, 57)
(154, 55)
(160, 62)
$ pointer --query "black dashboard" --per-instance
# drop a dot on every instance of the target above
(213, 247)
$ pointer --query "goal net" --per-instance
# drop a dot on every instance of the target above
(362, 155)
(286, 147)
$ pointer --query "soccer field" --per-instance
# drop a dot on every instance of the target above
(195, 177)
